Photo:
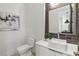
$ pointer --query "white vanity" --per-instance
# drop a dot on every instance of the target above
(45, 48)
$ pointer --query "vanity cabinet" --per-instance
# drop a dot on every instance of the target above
(43, 51)
(61, 54)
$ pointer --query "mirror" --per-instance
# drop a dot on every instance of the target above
(62, 18)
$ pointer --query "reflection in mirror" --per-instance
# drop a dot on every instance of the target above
(61, 19)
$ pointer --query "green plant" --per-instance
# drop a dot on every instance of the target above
(48, 35)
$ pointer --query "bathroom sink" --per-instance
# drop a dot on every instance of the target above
(58, 44)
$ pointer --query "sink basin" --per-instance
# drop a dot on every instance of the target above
(58, 44)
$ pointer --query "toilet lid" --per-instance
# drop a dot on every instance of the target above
(23, 49)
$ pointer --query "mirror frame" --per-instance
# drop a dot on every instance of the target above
(47, 18)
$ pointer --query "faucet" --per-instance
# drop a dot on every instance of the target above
(58, 35)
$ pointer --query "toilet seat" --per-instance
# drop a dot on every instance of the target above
(24, 50)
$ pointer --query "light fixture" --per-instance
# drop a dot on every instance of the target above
(67, 21)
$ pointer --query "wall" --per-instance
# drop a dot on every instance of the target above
(35, 14)
(31, 25)
(12, 39)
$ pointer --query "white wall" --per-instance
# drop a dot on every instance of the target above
(12, 39)
(32, 25)
(35, 13)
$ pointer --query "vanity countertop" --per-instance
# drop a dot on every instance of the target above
(71, 48)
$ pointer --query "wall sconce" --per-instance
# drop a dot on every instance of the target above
(67, 21)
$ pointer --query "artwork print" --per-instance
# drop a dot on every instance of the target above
(9, 21)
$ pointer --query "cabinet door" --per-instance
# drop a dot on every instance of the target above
(51, 52)
(43, 51)
(37, 47)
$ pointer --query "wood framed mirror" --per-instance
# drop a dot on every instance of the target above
(60, 18)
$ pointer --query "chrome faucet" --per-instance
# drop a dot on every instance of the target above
(58, 35)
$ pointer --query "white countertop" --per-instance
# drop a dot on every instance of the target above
(70, 47)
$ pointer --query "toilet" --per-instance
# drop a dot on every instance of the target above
(26, 49)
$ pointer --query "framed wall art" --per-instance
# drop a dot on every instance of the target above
(9, 22)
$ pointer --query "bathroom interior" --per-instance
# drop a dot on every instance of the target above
(39, 29)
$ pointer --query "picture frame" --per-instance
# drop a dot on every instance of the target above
(9, 23)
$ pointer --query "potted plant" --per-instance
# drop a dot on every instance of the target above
(48, 36)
